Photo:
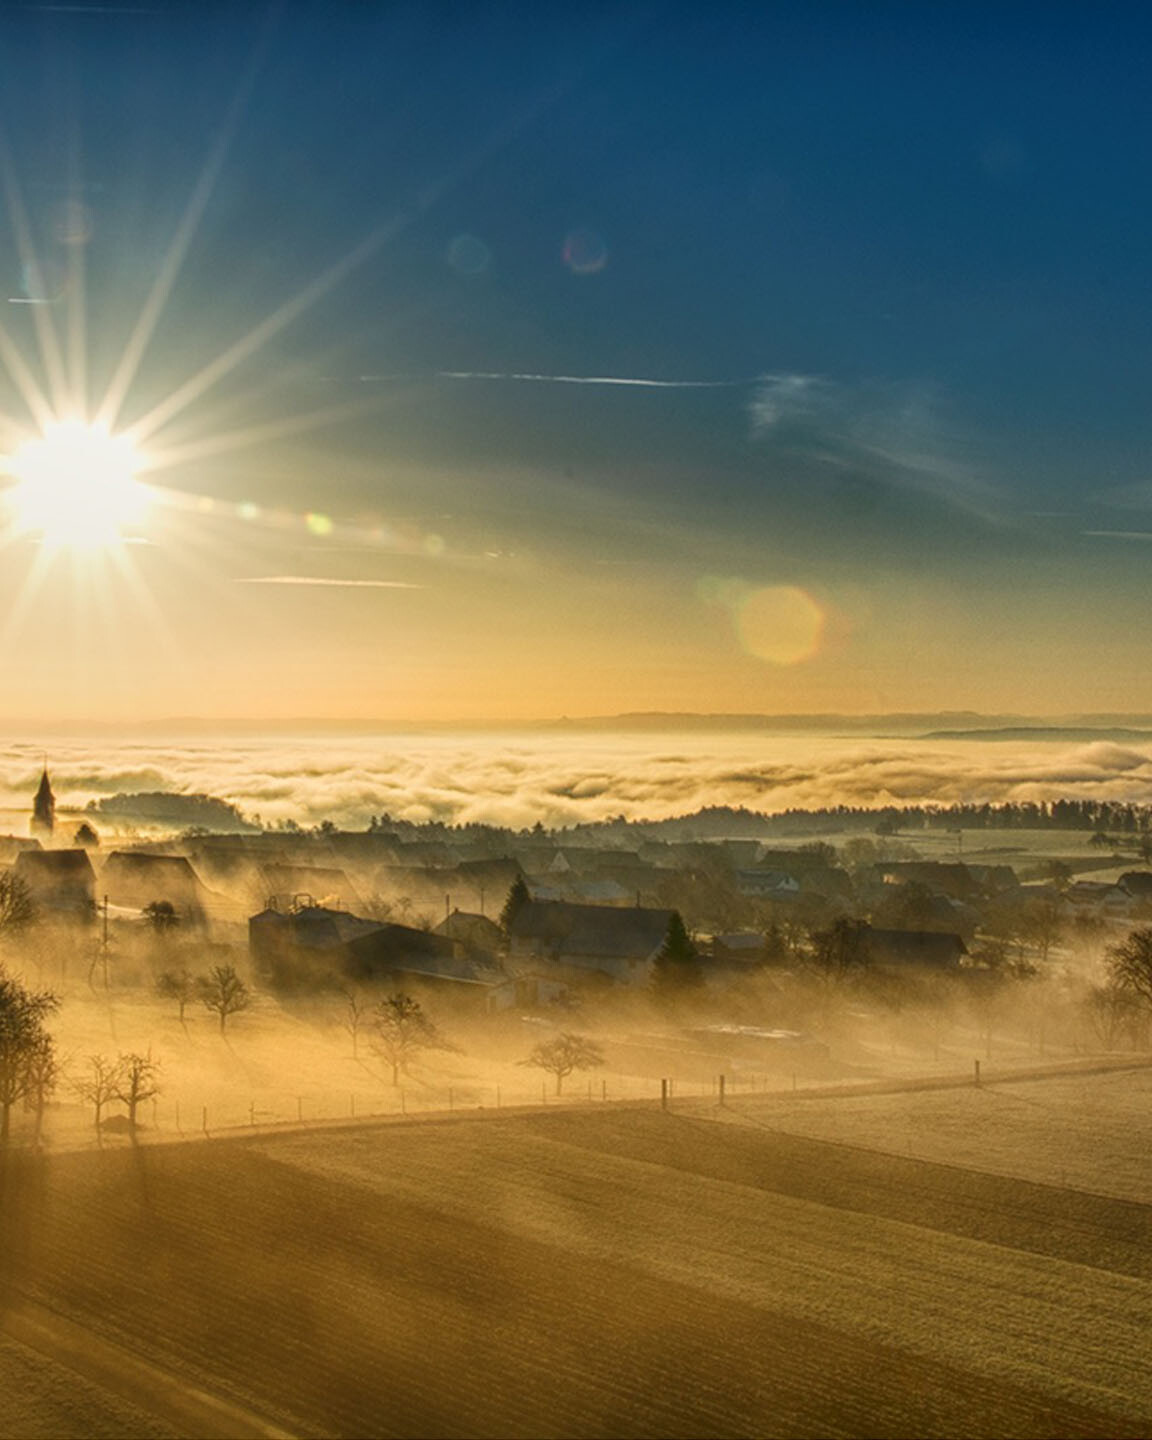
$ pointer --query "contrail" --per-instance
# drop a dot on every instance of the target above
(643, 382)
(324, 580)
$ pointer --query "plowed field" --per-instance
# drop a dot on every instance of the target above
(610, 1273)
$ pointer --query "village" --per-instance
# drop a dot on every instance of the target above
(689, 958)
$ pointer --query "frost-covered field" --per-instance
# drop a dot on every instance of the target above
(1089, 1132)
(617, 1272)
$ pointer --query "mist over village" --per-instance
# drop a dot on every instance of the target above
(576, 736)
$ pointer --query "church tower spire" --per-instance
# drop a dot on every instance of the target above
(44, 808)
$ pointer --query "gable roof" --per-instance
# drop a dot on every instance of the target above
(51, 867)
(608, 931)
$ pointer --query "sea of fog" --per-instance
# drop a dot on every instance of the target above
(562, 778)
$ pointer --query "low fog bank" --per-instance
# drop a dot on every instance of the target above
(807, 1014)
(519, 779)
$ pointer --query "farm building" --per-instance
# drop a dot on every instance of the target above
(590, 940)
(135, 879)
(476, 934)
(915, 949)
(324, 884)
(61, 882)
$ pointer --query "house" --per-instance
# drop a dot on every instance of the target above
(314, 946)
(320, 882)
(951, 879)
(61, 882)
(591, 941)
(915, 949)
(135, 879)
(1137, 884)
(473, 934)
(767, 884)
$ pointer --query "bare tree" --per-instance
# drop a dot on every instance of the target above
(1114, 1012)
(223, 992)
(402, 1030)
(354, 1018)
(1130, 965)
(841, 953)
(566, 1053)
(44, 1070)
(176, 985)
(23, 1013)
(137, 1080)
(18, 910)
(100, 1086)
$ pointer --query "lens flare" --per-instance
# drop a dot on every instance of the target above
(584, 252)
(780, 623)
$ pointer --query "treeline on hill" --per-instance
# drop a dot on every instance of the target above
(737, 822)
(200, 814)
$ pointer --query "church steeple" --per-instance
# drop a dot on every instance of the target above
(44, 809)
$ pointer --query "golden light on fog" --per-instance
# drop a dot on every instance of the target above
(780, 623)
(76, 487)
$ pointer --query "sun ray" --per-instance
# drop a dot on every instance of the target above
(25, 382)
(160, 458)
(76, 240)
(49, 341)
(290, 310)
(129, 364)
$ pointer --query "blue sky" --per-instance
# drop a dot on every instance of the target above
(910, 240)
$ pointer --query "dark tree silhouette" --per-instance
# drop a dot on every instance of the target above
(161, 916)
(841, 952)
(1130, 964)
(677, 966)
(23, 1014)
(518, 896)
(402, 1030)
(223, 992)
(137, 1080)
(100, 1085)
(43, 1076)
(565, 1054)
(17, 908)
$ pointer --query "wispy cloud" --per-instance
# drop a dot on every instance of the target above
(327, 580)
(642, 381)
(1120, 534)
(888, 434)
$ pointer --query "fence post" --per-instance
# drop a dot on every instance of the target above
(976, 1063)
(664, 1094)
(252, 1112)
(204, 1119)
(720, 1083)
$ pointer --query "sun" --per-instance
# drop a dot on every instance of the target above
(76, 487)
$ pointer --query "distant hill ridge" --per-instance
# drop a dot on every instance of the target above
(1042, 733)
